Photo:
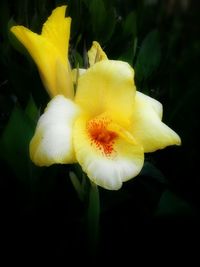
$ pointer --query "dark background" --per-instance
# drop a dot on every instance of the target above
(158, 211)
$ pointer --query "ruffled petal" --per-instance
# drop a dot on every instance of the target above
(107, 158)
(47, 50)
(53, 140)
(107, 86)
(147, 128)
(96, 54)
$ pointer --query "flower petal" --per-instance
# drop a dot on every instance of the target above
(107, 86)
(148, 129)
(109, 167)
(52, 142)
(96, 54)
(57, 30)
(155, 104)
(48, 54)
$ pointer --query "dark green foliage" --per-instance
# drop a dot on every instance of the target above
(172, 205)
(15, 142)
(149, 56)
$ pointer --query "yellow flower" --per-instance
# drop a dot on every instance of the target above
(108, 126)
(49, 50)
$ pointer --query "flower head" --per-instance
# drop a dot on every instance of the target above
(108, 126)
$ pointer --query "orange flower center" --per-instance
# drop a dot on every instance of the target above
(100, 136)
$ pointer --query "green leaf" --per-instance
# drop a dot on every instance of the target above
(150, 170)
(93, 217)
(129, 31)
(102, 19)
(77, 59)
(31, 110)
(149, 56)
(4, 17)
(130, 25)
(97, 12)
(129, 53)
(172, 205)
(14, 143)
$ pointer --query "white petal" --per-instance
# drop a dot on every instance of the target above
(53, 142)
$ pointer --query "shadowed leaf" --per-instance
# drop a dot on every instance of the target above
(149, 56)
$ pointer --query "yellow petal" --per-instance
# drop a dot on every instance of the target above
(123, 133)
(107, 86)
(96, 54)
(53, 142)
(48, 53)
(107, 158)
(57, 30)
(148, 129)
(155, 104)
(64, 79)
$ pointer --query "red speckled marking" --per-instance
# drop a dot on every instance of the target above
(102, 138)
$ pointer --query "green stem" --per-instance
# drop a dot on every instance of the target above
(93, 218)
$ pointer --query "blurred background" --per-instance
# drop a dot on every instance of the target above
(41, 213)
